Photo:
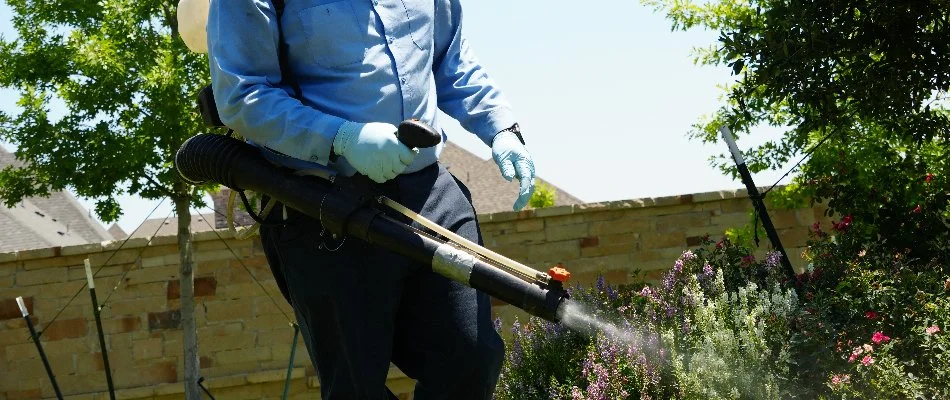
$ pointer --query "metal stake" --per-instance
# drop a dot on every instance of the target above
(290, 364)
(756, 198)
(39, 346)
(102, 338)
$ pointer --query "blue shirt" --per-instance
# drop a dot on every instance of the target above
(356, 60)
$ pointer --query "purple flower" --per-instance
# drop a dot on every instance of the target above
(708, 269)
(772, 258)
(688, 255)
(612, 294)
(669, 280)
(670, 310)
(601, 284)
(516, 350)
(576, 393)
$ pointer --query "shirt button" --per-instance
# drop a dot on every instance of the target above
(375, 2)
(403, 80)
(390, 39)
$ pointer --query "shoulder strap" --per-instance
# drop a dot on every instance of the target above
(285, 72)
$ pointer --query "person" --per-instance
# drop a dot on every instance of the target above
(363, 66)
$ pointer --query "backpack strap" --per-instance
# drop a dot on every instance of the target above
(286, 74)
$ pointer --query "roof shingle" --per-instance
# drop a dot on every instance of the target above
(38, 222)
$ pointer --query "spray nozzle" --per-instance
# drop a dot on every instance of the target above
(559, 273)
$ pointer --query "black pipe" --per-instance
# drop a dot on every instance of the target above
(102, 337)
(344, 208)
(39, 346)
(757, 202)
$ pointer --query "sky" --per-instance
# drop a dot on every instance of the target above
(605, 96)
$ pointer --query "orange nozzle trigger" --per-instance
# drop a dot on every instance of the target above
(559, 273)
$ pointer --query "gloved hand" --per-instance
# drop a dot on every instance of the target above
(373, 149)
(514, 161)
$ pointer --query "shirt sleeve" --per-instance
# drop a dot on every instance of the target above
(243, 43)
(464, 89)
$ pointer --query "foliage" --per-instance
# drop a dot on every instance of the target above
(543, 196)
(718, 326)
(123, 82)
(862, 322)
(874, 318)
(862, 83)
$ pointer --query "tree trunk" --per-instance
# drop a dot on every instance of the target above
(187, 283)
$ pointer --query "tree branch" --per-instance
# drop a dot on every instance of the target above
(159, 186)
(170, 21)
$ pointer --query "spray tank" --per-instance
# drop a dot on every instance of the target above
(348, 207)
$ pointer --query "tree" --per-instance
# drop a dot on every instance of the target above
(861, 84)
(544, 196)
(124, 82)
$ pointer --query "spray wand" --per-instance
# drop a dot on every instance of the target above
(347, 206)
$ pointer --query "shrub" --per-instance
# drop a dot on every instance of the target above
(874, 318)
(709, 330)
(862, 322)
(543, 196)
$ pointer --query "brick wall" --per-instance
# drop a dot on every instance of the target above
(244, 334)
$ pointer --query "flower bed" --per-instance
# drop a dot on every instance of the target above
(861, 323)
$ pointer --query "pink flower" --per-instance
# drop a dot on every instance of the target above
(843, 225)
(933, 329)
(867, 360)
(929, 178)
(917, 209)
(855, 353)
(870, 314)
(840, 379)
(879, 337)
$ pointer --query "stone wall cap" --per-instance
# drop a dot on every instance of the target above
(109, 246)
(644, 202)
(223, 233)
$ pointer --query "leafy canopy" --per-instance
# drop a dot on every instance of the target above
(123, 83)
(862, 83)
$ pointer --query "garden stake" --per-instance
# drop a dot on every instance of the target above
(290, 364)
(102, 338)
(202, 386)
(39, 346)
(756, 198)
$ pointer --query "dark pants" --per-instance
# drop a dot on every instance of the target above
(362, 306)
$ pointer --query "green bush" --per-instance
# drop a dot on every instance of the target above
(543, 196)
(862, 322)
(707, 331)
(875, 318)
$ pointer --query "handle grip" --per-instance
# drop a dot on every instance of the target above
(415, 133)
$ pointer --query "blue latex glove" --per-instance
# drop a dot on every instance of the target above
(373, 149)
(514, 161)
